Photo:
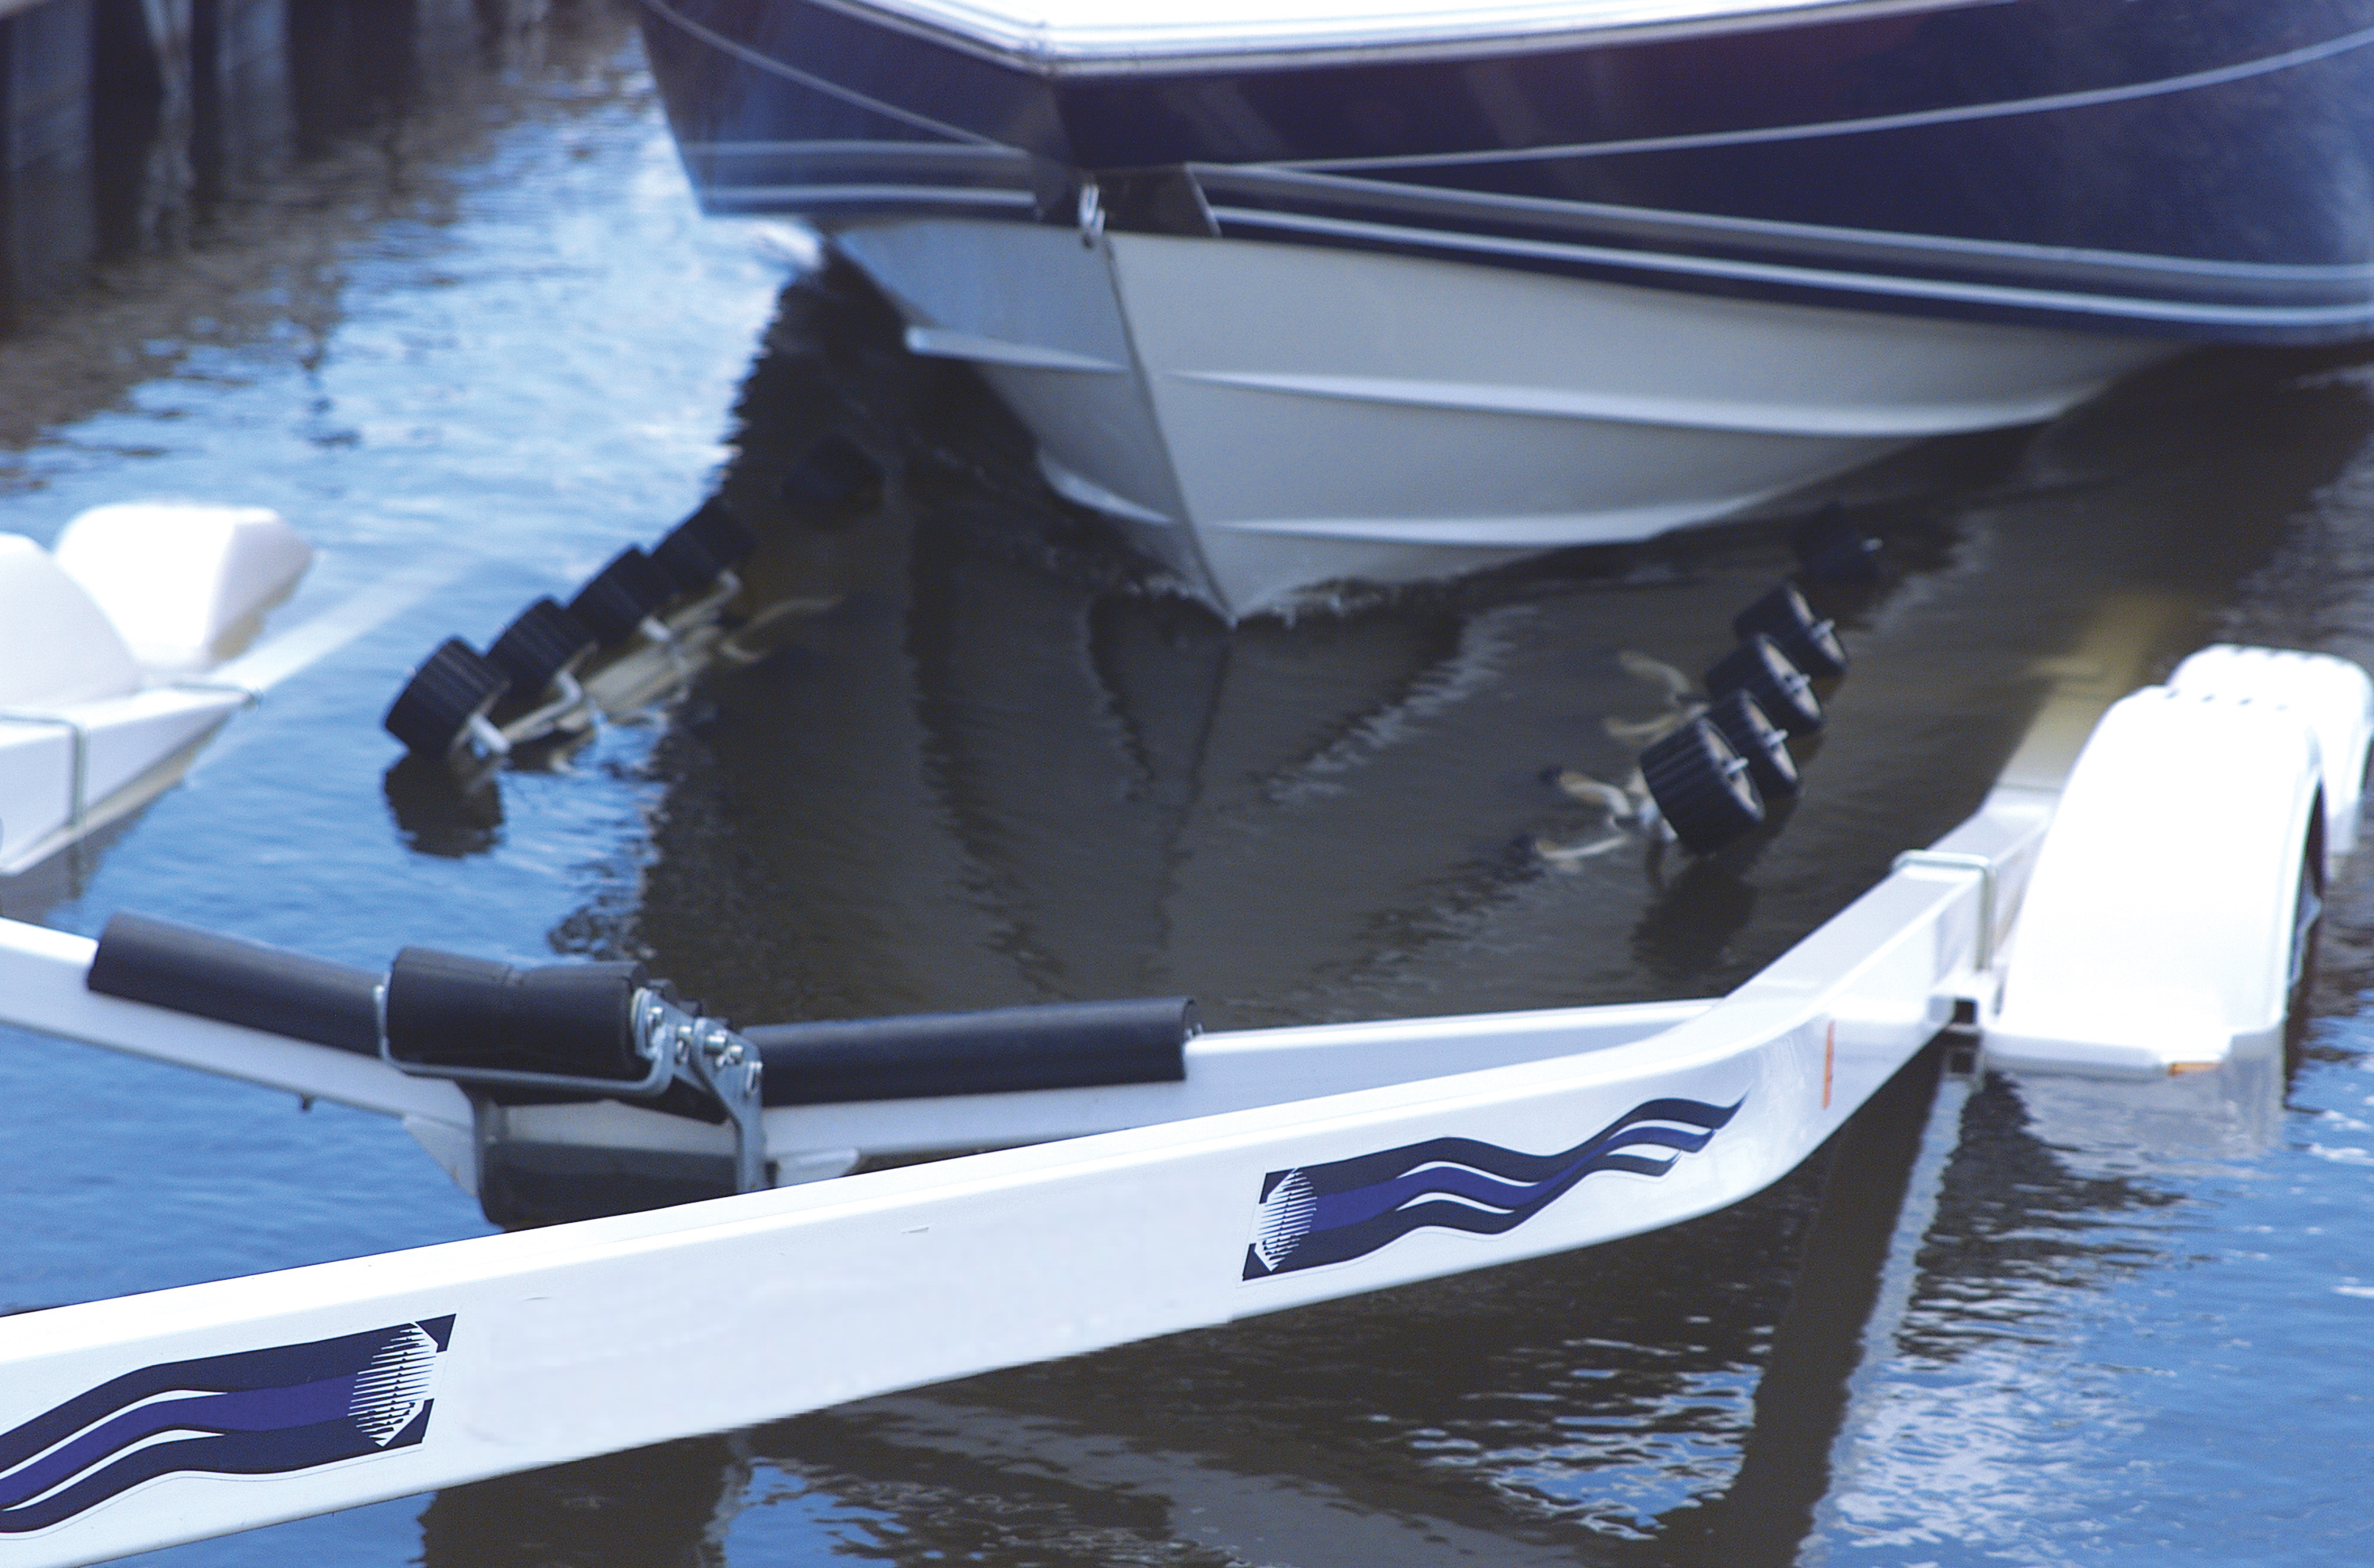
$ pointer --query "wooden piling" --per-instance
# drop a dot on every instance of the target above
(123, 122)
(48, 227)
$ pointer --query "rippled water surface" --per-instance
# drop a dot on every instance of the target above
(488, 330)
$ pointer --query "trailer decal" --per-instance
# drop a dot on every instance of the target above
(251, 1413)
(1311, 1215)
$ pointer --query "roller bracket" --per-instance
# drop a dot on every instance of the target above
(444, 1016)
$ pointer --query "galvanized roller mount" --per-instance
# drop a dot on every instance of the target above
(513, 1036)
(598, 1030)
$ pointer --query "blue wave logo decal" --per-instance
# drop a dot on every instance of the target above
(1346, 1209)
(253, 1413)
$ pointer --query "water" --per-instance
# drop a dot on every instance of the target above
(488, 328)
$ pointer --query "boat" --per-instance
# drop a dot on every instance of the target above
(1312, 290)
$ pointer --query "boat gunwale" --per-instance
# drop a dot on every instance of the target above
(1040, 58)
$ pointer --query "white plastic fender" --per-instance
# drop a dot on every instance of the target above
(56, 645)
(182, 581)
(2160, 929)
(2332, 694)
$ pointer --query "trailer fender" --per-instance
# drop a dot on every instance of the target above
(2333, 697)
(2163, 928)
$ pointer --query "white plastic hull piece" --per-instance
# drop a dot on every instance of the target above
(81, 741)
(56, 645)
(1267, 419)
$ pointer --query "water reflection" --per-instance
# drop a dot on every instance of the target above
(1503, 1418)
(1007, 768)
(2111, 1276)
(663, 1507)
(443, 811)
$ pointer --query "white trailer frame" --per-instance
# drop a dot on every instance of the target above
(1292, 1165)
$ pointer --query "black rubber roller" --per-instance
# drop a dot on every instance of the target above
(621, 596)
(834, 474)
(704, 547)
(1063, 1046)
(1701, 787)
(578, 1020)
(1759, 668)
(1784, 616)
(545, 642)
(235, 981)
(1756, 739)
(454, 685)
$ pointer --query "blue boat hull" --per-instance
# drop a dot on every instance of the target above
(2191, 169)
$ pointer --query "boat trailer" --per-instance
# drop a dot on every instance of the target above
(1144, 1177)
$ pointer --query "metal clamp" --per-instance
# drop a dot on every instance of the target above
(78, 800)
(716, 1060)
(1946, 861)
(568, 700)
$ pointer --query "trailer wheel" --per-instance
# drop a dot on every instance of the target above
(2308, 927)
(1759, 740)
(1784, 616)
(1759, 668)
(621, 596)
(543, 642)
(1701, 787)
(704, 547)
(434, 712)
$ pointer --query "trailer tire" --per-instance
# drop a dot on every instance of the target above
(1701, 788)
(1784, 615)
(1759, 668)
(1742, 722)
